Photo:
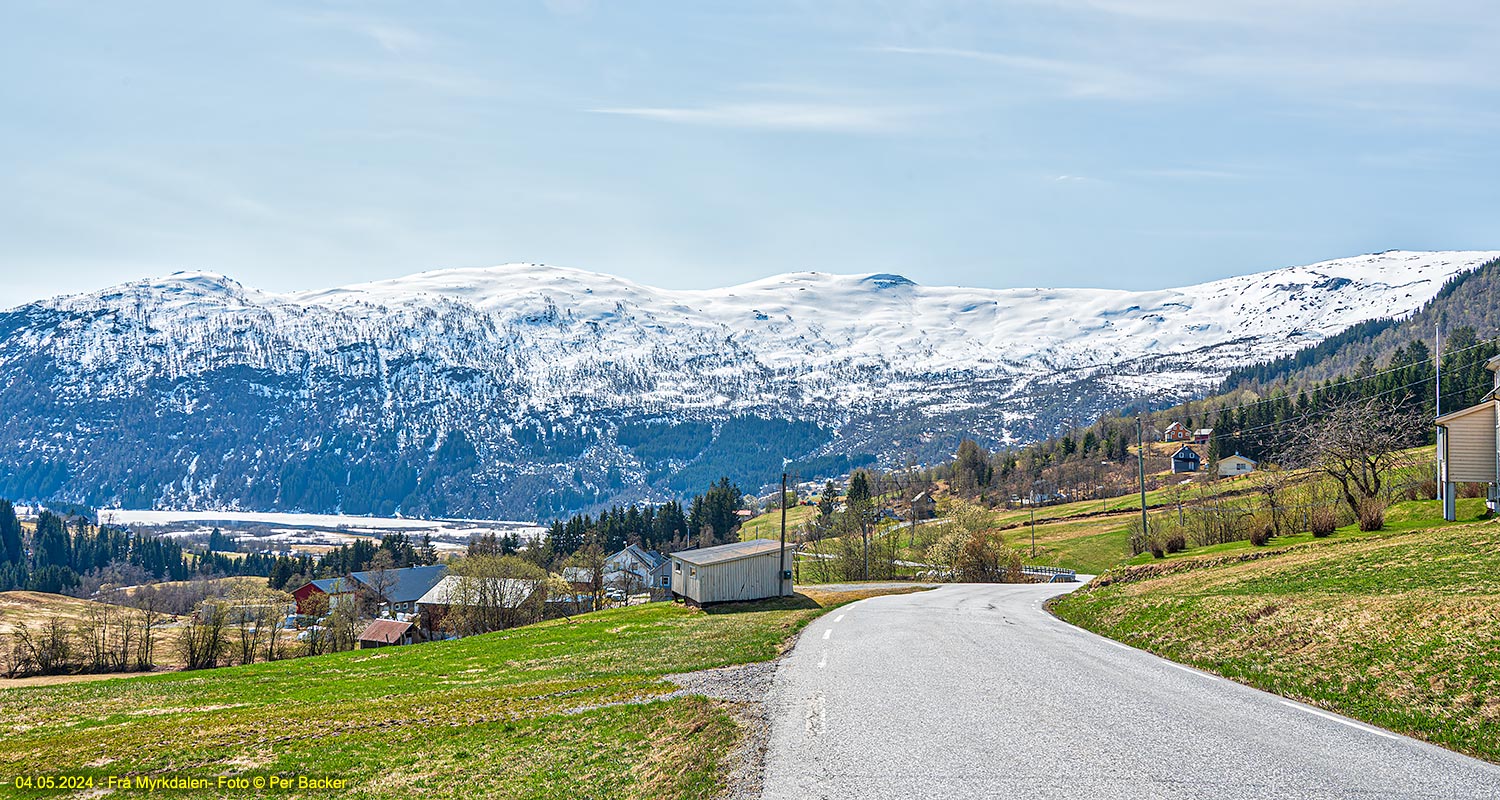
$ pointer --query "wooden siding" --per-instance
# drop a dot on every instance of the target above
(1471, 445)
(750, 578)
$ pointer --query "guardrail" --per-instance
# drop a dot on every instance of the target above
(1052, 574)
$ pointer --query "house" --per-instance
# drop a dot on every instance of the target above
(1176, 432)
(749, 570)
(631, 570)
(489, 604)
(923, 506)
(399, 589)
(387, 632)
(316, 598)
(1466, 447)
(1186, 459)
(1203, 435)
(1235, 465)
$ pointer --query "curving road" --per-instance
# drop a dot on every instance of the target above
(975, 691)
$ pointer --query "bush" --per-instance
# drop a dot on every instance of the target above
(1426, 489)
(1371, 514)
(1473, 490)
(1323, 522)
(1260, 535)
(1176, 542)
(1157, 550)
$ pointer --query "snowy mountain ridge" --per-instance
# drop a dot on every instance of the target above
(542, 371)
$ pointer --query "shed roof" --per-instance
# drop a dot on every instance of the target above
(405, 585)
(728, 552)
(385, 631)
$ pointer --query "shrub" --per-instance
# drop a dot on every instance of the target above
(1371, 514)
(1157, 548)
(1426, 489)
(1175, 542)
(1260, 535)
(1322, 522)
(1473, 489)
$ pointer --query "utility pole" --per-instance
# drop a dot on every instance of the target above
(1033, 527)
(781, 558)
(1445, 489)
(1140, 454)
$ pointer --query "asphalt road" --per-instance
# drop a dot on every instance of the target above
(975, 691)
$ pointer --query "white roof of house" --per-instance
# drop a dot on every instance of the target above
(511, 591)
(1238, 457)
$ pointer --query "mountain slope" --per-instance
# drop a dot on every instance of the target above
(528, 390)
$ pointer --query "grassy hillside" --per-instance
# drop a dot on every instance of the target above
(768, 525)
(561, 709)
(36, 608)
(1396, 629)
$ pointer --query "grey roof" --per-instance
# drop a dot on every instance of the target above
(332, 585)
(728, 552)
(1191, 454)
(578, 575)
(405, 585)
(650, 558)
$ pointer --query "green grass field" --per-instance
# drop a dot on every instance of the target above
(1399, 629)
(768, 525)
(560, 709)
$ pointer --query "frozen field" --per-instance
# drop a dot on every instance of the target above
(311, 532)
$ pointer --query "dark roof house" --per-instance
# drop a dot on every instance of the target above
(1186, 459)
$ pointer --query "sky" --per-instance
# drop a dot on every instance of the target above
(1113, 143)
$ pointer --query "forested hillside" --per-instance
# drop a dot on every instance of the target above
(1260, 409)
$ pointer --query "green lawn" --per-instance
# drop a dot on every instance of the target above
(535, 712)
(1400, 629)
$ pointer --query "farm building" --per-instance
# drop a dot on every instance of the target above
(1176, 432)
(1203, 435)
(323, 595)
(387, 632)
(923, 506)
(1186, 459)
(400, 588)
(730, 572)
(468, 605)
(1235, 465)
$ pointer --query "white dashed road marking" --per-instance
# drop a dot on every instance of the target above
(839, 618)
(827, 633)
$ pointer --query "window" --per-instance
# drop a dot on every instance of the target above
(692, 572)
(677, 567)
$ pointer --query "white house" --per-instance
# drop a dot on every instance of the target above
(1235, 465)
(634, 569)
(1466, 446)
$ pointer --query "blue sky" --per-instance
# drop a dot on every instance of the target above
(1123, 143)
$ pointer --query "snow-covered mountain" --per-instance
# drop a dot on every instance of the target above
(526, 389)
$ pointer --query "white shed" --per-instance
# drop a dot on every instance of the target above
(731, 572)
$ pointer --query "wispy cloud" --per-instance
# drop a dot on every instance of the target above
(1078, 78)
(775, 116)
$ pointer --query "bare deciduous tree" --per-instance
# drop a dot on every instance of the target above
(1360, 444)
